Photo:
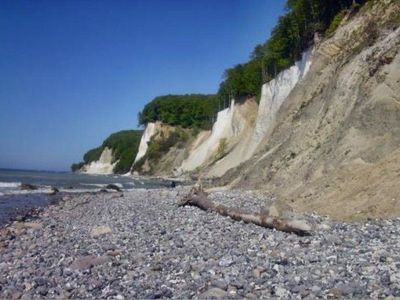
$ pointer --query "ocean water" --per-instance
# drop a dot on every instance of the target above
(14, 201)
(10, 181)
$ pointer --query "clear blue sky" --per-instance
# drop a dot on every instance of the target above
(74, 71)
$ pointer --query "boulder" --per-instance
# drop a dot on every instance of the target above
(214, 293)
(54, 191)
(89, 261)
(113, 187)
(100, 230)
(27, 187)
(27, 225)
(32, 225)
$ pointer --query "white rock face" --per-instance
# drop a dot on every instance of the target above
(147, 135)
(102, 166)
(273, 94)
(243, 139)
(243, 123)
(222, 128)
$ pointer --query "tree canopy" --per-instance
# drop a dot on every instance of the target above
(192, 110)
(292, 35)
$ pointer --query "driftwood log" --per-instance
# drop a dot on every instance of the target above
(199, 198)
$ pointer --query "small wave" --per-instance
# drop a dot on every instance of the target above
(9, 184)
(47, 190)
(41, 190)
(74, 191)
(136, 190)
(93, 184)
(120, 185)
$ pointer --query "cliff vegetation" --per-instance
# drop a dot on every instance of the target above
(124, 145)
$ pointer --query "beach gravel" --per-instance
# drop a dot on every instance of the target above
(142, 245)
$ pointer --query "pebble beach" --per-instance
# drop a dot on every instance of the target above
(141, 245)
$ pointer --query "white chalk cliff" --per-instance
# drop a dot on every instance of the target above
(147, 135)
(242, 126)
(104, 165)
(273, 95)
(206, 150)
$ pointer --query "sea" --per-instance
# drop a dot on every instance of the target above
(15, 202)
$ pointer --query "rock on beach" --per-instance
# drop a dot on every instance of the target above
(100, 230)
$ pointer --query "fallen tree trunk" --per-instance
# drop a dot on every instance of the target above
(199, 198)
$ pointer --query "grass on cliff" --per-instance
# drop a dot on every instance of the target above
(335, 23)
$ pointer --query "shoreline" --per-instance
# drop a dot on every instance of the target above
(32, 204)
(139, 244)
(21, 198)
(17, 207)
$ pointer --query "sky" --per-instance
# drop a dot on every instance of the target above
(72, 72)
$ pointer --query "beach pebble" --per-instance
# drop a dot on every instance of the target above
(214, 293)
(89, 261)
(100, 230)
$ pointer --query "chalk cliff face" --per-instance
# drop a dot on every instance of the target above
(147, 135)
(326, 133)
(273, 94)
(243, 122)
(222, 129)
(166, 148)
(335, 143)
(237, 131)
(104, 165)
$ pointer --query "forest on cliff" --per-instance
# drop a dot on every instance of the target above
(293, 34)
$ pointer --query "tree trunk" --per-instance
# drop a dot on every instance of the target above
(198, 197)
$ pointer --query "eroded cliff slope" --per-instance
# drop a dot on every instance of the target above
(335, 143)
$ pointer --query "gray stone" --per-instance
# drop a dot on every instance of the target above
(89, 261)
(220, 284)
(100, 230)
(257, 272)
(225, 261)
(42, 290)
(316, 290)
(214, 293)
(281, 292)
